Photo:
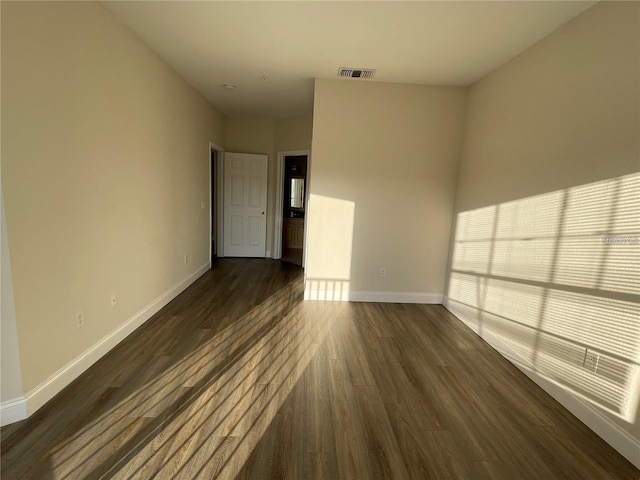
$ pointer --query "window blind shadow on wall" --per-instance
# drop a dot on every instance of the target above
(556, 275)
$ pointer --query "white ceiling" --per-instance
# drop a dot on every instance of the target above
(211, 43)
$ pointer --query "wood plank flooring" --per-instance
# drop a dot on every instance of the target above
(238, 378)
(292, 255)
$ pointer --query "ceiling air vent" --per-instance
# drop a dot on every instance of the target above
(356, 73)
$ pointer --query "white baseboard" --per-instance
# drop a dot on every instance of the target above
(13, 411)
(21, 408)
(326, 295)
(374, 297)
(620, 440)
(396, 297)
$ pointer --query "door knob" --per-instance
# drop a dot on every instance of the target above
(263, 212)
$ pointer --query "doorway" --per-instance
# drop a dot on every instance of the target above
(294, 193)
(215, 203)
(214, 217)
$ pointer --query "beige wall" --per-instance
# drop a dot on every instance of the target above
(10, 373)
(390, 152)
(268, 136)
(547, 138)
(294, 133)
(104, 167)
(563, 113)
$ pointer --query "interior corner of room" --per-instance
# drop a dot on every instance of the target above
(512, 200)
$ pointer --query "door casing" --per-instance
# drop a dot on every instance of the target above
(217, 191)
(278, 219)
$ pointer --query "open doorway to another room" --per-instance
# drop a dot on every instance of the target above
(215, 202)
(293, 207)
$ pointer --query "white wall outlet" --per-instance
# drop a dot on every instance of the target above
(202, 204)
(79, 319)
(591, 360)
(383, 271)
(186, 258)
(114, 300)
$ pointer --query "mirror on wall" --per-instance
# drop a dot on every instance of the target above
(297, 193)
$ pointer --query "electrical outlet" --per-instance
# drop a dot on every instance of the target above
(202, 204)
(114, 300)
(79, 319)
(383, 271)
(186, 258)
(591, 360)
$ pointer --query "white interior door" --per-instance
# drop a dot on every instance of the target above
(245, 205)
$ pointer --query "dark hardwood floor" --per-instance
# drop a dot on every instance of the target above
(239, 378)
(292, 255)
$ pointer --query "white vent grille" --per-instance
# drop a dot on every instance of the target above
(356, 73)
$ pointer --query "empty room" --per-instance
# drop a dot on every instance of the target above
(320, 240)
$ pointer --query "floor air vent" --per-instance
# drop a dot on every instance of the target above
(356, 73)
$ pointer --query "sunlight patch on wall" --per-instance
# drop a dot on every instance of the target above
(329, 243)
(555, 275)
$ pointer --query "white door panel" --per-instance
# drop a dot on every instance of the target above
(237, 191)
(236, 230)
(255, 192)
(245, 205)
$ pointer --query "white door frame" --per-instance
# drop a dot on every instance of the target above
(278, 220)
(219, 198)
